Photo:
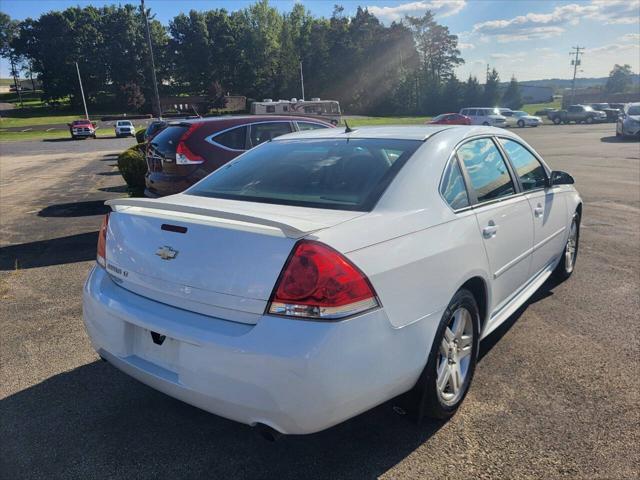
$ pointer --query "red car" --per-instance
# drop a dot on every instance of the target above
(450, 119)
(82, 129)
(186, 152)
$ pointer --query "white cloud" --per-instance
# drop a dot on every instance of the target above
(466, 46)
(443, 8)
(631, 37)
(547, 25)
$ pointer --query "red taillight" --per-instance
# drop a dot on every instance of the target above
(319, 282)
(184, 155)
(101, 256)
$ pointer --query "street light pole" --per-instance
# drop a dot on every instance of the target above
(84, 102)
(301, 80)
(153, 64)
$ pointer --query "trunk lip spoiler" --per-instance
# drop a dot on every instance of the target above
(153, 204)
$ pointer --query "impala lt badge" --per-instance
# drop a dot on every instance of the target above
(166, 253)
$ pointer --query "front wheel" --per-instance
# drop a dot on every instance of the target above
(570, 253)
(589, 120)
(556, 121)
(452, 361)
(521, 123)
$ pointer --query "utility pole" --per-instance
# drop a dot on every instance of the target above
(153, 64)
(575, 52)
(84, 102)
(487, 76)
(301, 80)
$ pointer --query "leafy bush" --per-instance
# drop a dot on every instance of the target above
(133, 167)
(140, 135)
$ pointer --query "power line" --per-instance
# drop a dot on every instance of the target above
(575, 52)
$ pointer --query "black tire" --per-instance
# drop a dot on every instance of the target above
(73, 137)
(521, 123)
(556, 121)
(563, 271)
(486, 124)
(427, 401)
(589, 120)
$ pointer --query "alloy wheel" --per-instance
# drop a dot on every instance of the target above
(571, 248)
(454, 357)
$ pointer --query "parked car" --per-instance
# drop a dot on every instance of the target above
(523, 119)
(124, 128)
(545, 112)
(82, 129)
(154, 128)
(450, 119)
(628, 124)
(328, 271)
(484, 116)
(612, 113)
(187, 151)
(577, 114)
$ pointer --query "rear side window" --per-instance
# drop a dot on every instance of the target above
(167, 140)
(487, 169)
(309, 126)
(453, 189)
(263, 132)
(341, 174)
(528, 168)
(235, 138)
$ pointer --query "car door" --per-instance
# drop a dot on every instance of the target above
(548, 204)
(504, 217)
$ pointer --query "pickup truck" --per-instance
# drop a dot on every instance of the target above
(82, 129)
(578, 114)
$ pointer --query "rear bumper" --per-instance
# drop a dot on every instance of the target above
(295, 376)
(161, 185)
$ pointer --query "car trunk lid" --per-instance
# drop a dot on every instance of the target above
(212, 256)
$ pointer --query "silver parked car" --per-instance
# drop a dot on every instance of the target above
(628, 124)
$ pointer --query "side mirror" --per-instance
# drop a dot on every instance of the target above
(561, 178)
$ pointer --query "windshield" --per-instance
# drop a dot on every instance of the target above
(341, 174)
(600, 105)
(125, 123)
(588, 109)
(634, 110)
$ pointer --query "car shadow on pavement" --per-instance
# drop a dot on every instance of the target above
(42, 253)
(75, 209)
(545, 291)
(95, 420)
(615, 139)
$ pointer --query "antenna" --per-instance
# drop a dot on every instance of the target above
(348, 129)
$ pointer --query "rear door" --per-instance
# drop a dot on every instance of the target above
(504, 217)
(548, 205)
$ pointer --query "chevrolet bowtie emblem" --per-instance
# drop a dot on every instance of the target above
(166, 253)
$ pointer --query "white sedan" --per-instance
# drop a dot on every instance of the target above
(325, 272)
(523, 119)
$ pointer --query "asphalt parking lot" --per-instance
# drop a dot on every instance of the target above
(556, 393)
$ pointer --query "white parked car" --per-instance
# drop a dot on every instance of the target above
(484, 116)
(523, 119)
(325, 272)
(628, 123)
(125, 128)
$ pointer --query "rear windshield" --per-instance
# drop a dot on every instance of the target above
(166, 142)
(634, 110)
(340, 174)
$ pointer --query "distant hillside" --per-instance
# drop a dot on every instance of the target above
(559, 84)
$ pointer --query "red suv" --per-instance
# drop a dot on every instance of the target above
(186, 152)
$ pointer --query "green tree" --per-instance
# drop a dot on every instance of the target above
(491, 95)
(472, 92)
(512, 97)
(619, 79)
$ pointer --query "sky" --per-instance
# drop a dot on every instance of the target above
(529, 39)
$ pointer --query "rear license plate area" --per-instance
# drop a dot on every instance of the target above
(156, 348)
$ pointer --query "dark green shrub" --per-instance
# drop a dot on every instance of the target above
(133, 167)
(140, 135)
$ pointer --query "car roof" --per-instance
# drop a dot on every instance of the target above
(396, 132)
(241, 119)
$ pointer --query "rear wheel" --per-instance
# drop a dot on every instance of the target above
(521, 123)
(452, 361)
(486, 124)
(557, 121)
(570, 253)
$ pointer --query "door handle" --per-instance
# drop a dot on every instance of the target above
(490, 230)
(538, 211)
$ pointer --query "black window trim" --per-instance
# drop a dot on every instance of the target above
(547, 174)
(471, 193)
